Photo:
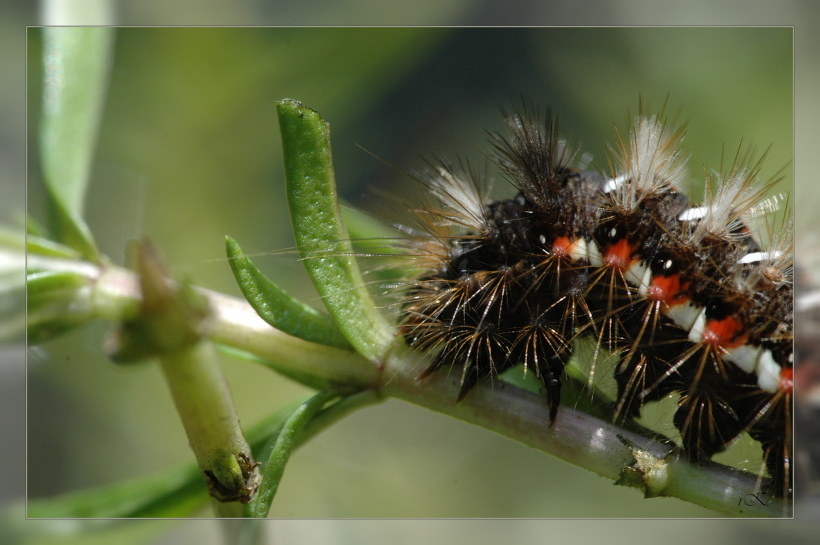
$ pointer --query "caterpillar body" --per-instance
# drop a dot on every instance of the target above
(685, 295)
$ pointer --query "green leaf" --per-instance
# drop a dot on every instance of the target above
(320, 233)
(12, 286)
(15, 529)
(283, 445)
(58, 301)
(175, 493)
(76, 62)
(180, 491)
(277, 307)
(43, 246)
(369, 231)
(72, 231)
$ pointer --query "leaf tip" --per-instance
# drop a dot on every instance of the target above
(291, 109)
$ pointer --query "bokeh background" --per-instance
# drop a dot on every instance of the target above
(189, 151)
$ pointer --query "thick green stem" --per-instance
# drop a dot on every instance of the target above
(116, 295)
(205, 406)
(582, 440)
(171, 325)
(577, 437)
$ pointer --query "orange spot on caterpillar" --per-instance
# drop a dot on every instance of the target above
(560, 246)
(786, 380)
(727, 333)
(619, 255)
(668, 289)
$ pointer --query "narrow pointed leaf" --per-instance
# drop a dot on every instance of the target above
(320, 233)
(277, 307)
(76, 62)
(286, 441)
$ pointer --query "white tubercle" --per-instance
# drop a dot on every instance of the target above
(692, 214)
(755, 257)
(636, 272)
(698, 327)
(746, 357)
(768, 372)
(643, 288)
(594, 254)
(614, 183)
(578, 250)
(684, 314)
(759, 361)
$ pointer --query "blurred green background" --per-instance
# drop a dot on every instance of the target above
(91, 423)
(189, 152)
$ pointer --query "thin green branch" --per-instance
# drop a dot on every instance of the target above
(579, 438)
(584, 441)
(171, 326)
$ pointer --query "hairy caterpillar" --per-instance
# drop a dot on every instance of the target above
(685, 295)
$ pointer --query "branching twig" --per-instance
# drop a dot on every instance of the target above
(576, 437)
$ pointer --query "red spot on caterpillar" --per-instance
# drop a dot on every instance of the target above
(560, 246)
(619, 255)
(726, 333)
(668, 289)
(787, 380)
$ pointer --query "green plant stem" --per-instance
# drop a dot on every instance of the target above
(207, 412)
(115, 295)
(172, 325)
(581, 439)
(237, 325)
